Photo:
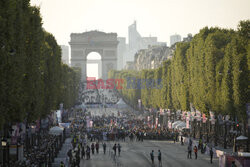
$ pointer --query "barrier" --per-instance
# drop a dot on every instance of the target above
(240, 161)
(225, 160)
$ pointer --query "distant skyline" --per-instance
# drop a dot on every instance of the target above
(160, 18)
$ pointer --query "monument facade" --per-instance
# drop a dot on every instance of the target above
(105, 44)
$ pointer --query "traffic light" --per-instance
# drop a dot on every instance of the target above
(237, 127)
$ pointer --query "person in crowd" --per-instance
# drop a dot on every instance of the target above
(104, 148)
(189, 151)
(142, 135)
(211, 155)
(152, 156)
(204, 148)
(83, 152)
(131, 136)
(93, 148)
(62, 164)
(79, 146)
(70, 155)
(190, 141)
(119, 149)
(84, 142)
(97, 147)
(233, 164)
(78, 159)
(200, 144)
(88, 152)
(182, 141)
(73, 158)
(114, 148)
(195, 151)
(159, 157)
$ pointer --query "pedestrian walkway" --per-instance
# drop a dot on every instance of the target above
(218, 150)
(108, 159)
(62, 155)
(97, 160)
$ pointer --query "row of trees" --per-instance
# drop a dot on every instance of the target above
(33, 80)
(211, 72)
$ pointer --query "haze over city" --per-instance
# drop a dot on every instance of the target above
(160, 18)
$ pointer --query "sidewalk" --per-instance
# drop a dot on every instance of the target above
(62, 155)
(108, 159)
(97, 160)
(218, 151)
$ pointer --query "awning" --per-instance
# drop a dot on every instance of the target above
(242, 138)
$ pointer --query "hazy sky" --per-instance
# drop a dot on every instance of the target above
(160, 18)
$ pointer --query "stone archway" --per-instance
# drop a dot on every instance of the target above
(94, 61)
(94, 41)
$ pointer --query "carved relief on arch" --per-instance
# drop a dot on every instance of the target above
(78, 65)
(100, 51)
(109, 53)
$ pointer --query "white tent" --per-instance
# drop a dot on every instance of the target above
(121, 104)
(176, 123)
(242, 138)
(181, 126)
(56, 130)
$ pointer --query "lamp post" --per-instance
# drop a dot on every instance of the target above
(215, 131)
(225, 135)
(234, 146)
(207, 129)
(3, 150)
(17, 149)
(2, 145)
(194, 124)
(5, 146)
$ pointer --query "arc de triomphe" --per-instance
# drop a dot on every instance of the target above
(94, 41)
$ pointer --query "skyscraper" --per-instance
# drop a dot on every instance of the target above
(65, 54)
(175, 38)
(121, 51)
(136, 42)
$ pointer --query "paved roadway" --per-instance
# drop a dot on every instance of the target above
(137, 154)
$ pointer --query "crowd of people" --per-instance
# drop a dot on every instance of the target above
(40, 150)
(87, 141)
(201, 146)
(85, 145)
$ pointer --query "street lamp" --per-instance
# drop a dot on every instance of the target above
(234, 139)
(194, 126)
(4, 144)
(215, 130)
(225, 134)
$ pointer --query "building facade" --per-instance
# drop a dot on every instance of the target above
(121, 52)
(65, 54)
(136, 42)
(174, 39)
(94, 41)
